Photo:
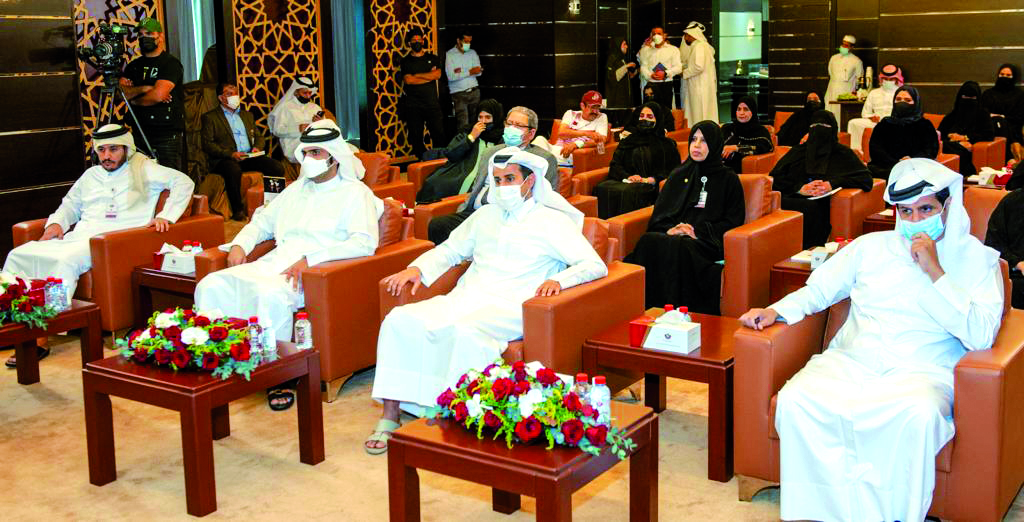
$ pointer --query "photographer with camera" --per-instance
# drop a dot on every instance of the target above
(153, 85)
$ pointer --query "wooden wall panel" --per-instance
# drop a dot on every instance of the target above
(37, 45)
(39, 102)
(798, 44)
(984, 29)
(932, 6)
(33, 159)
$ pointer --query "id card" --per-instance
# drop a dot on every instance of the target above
(702, 199)
(111, 210)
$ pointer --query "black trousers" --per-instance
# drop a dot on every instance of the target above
(166, 145)
(416, 116)
(231, 171)
(441, 227)
(662, 94)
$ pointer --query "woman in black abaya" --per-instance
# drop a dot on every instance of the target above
(816, 167)
(799, 123)
(745, 136)
(462, 153)
(639, 164)
(904, 134)
(965, 126)
(701, 200)
(1004, 102)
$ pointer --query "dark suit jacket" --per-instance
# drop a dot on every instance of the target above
(219, 141)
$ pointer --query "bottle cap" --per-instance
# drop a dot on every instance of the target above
(51, 279)
(58, 281)
(581, 377)
(302, 315)
(598, 380)
(254, 320)
(684, 309)
(669, 308)
(840, 239)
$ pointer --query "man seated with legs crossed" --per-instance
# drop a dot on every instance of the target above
(326, 215)
(121, 192)
(526, 242)
(860, 425)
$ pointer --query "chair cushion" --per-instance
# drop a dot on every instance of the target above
(565, 182)
(390, 223)
(757, 190)
(376, 164)
(596, 231)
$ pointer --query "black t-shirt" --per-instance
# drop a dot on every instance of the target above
(161, 117)
(424, 94)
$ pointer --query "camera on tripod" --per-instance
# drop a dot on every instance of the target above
(108, 52)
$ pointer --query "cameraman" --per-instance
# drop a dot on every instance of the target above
(152, 82)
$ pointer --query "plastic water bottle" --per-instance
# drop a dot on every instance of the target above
(582, 386)
(187, 247)
(303, 332)
(48, 292)
(600, 146)
(255, 337)
(601, 400)
(685, 310)
(669, 308)
(269, 341)
(60, 295)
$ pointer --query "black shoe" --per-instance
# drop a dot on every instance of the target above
(12, 362)
(239, 216)
(280, 399)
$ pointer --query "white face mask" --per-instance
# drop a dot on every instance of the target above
(657, 39)
(888, 85)
(312, 167)
(509, 197)
(234, 102)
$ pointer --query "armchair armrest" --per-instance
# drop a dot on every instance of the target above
(443, 285)
(951, 161)
(988, 459)
(764, 361)
(28, 231)
(417, 173)
(403, 191)
(759, 163)
(583, 183)
(585, 204)
(628, 227)
(422, 214)
(253, 199)
(989, 153)
(750, 252)
(555, 327)
(849, 208)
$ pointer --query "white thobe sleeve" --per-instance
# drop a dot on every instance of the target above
(70, 209)
(261, 227)
(827, 285)
(572, 248)
(675, 65)
(698, 58)
(457, 248)
(646, 68)
(363, 232)
(869, 107)
(286, 125)
(971, 315)
(180, 187)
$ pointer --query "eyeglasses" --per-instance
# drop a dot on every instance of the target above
(517, 125)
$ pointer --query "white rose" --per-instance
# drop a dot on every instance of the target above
(212, 315)
(165, 320)
(8, 278)
(500, 373)
(194, 336)
(473, 405)
(530, 400)
(144, 335)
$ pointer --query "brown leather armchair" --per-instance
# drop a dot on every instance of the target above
(679, 119)
(983, 153)
(555, 327)
(383, 178)
(417, 173)
(979, 203)
(589, 159)
(680, 136)
(116, 254)
(768, 235)
(424, 213)
(978, 473)
(344, 328)
(952, 161)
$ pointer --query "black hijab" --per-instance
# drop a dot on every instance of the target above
(1006, 97)
(797, 125)
(752, 125)
(968, 117)
(821, 157)
(916, 112)
(494, 130)
(665, 122)
(1005, 85)
(822, 137)
(682, 189)
(638, 136)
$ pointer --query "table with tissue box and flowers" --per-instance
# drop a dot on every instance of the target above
(711, 363)
(170, 272)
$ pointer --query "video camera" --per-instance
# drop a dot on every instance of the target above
(108, 52)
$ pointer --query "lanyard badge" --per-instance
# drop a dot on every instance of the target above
(111, 210)
(703, 199)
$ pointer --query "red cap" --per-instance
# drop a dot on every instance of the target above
(302, 315)
(669, 308)
(592, 98)
(581, 377)
(254, 319)
(599, 379)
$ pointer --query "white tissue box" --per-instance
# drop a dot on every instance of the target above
(678, 338)
(179, 263)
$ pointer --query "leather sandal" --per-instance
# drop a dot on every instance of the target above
(381, 433)
(287, 395)
(12, 361)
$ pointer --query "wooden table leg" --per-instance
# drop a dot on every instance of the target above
(99, 436)
(403, 486)
(197, 447)
(92, 338)
(27, 355)
(221, 422)
(554, 502)
(720, 424)
(311, 415)
(505, 501)
(654, 392)
(643, 478)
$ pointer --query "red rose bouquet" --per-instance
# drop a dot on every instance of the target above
(527, 405)
(185, 338)
(24, 303)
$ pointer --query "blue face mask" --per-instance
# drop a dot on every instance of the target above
(932, 226)
(512, 137)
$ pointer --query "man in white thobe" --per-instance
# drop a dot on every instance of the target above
(526, 242)
(292, 114)
(844, 68)
(659, 63)
(860, 425)
(121, 192)
(877, 105)
(326, 215)
(700, 76)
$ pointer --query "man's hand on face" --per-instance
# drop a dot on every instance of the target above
(396, 282)
(759, 318)
(478, 129)
(236, 256)
(549, 288)
(922, 249)
(293, 274)
(53, 231)
(160, 224)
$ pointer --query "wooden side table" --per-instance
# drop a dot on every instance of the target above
(145, 279)
(787, 277)
(82, 315)
(879, 222)
(550, 476)
(712, 364)
(202, 401)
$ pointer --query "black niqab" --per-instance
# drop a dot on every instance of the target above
(916, 113)
(794, 129)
